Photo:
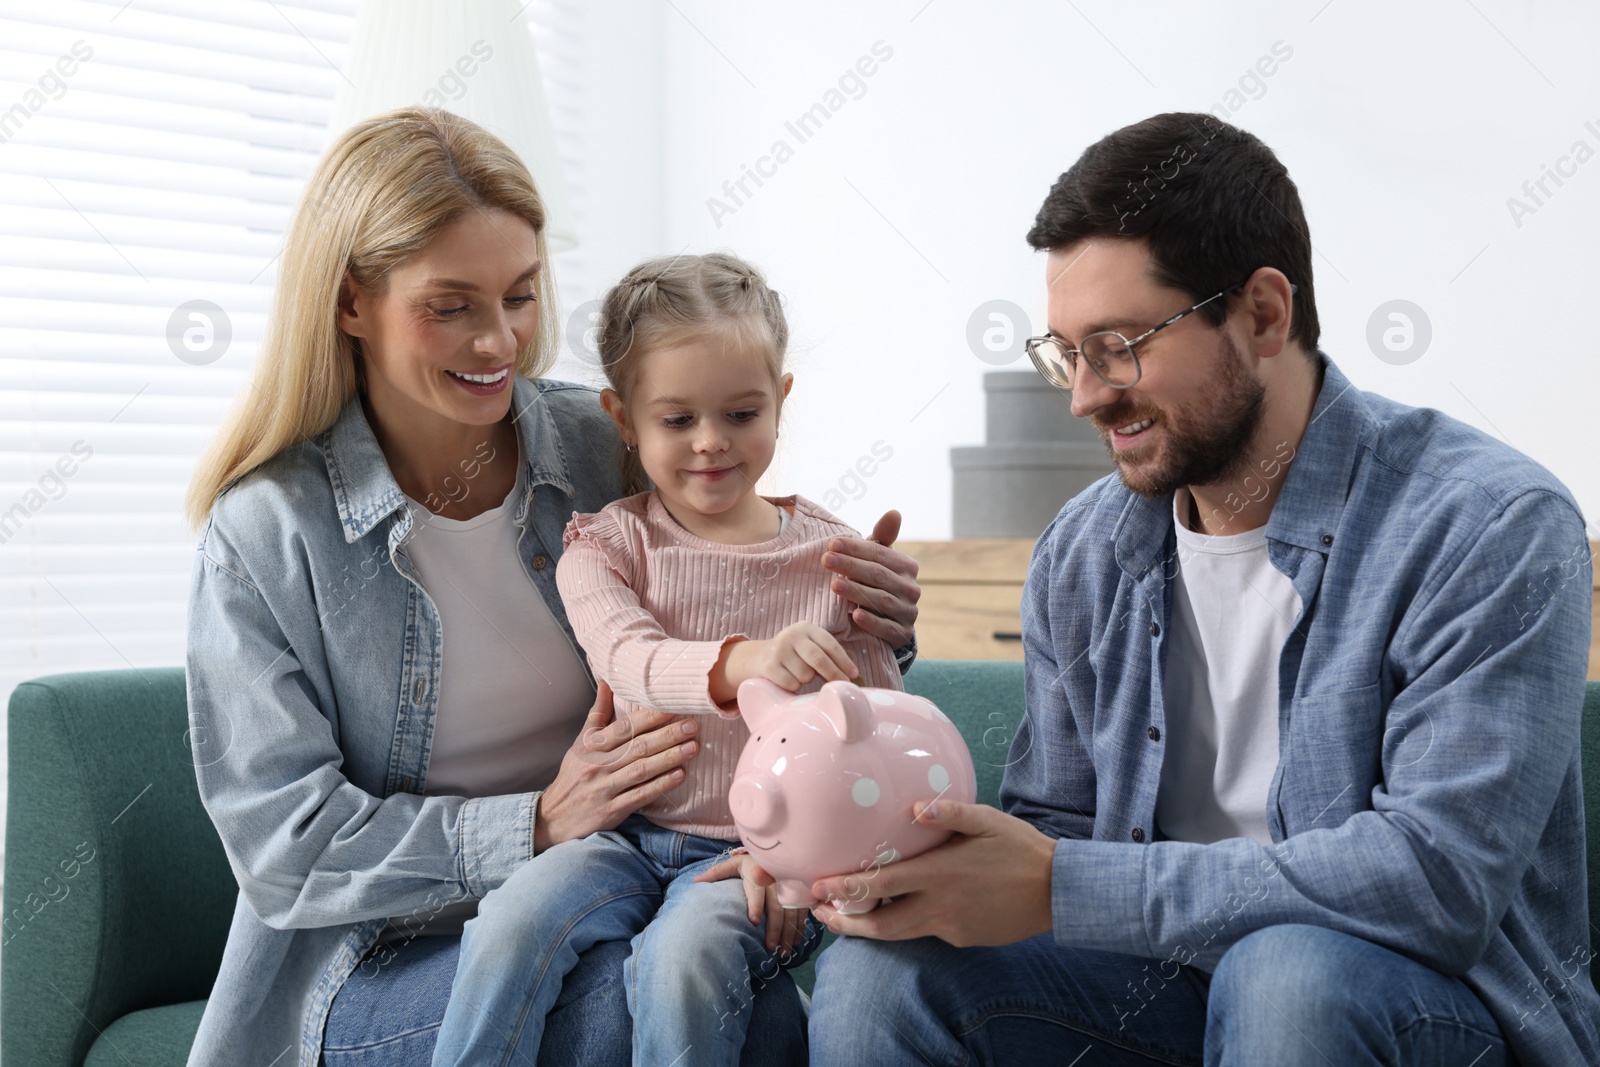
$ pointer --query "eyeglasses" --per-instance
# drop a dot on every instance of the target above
(1109, 354)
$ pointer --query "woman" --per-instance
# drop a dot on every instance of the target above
(388, 719)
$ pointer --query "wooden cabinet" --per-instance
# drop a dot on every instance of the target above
(972, 596)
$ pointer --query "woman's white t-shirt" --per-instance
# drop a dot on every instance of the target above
(512, 691)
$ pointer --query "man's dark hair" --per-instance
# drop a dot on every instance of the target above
(1213, 202)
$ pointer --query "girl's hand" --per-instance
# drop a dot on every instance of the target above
(612, 770)
(880, 579)
(801, 651)
(786, 927)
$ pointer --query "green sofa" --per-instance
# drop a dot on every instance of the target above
(118, 896)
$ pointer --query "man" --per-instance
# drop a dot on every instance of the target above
(1298, 781)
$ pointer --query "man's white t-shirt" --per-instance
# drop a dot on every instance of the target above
(1232, 610)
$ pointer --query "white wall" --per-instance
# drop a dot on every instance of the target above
(606, 100)
(1406, 127)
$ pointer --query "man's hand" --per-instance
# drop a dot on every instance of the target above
(880, 579)
(988, 885)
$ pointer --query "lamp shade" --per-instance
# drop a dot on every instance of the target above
(471, 57)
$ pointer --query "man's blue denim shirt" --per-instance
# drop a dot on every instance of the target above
(1427, 796)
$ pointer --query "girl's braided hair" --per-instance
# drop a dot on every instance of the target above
(671, 299)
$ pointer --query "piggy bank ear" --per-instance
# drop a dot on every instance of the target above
(759, 701)
(847, 710)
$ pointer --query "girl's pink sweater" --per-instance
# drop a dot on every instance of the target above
(652, 605)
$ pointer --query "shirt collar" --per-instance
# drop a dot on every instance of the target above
(364, 489)
(1312, 501)
(1311, 505)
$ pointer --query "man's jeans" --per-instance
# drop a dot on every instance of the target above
(1284, 995)
(695, 964)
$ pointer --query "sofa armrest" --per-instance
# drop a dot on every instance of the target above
(117, 894)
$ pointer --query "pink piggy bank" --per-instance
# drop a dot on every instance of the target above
(826, 782)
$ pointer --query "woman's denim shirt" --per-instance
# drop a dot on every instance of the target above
(313, 670)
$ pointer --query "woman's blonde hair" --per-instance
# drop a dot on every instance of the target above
(672, 299)
(379, 195)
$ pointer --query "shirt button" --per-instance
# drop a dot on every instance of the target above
(1138, 834)
(1155, 629)
(419, 690)
(1155, 733)
(539, 562)
(1327, 539)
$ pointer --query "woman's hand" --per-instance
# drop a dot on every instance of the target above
(613, 769)
(786, 927)
(878, 578)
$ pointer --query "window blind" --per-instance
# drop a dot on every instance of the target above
(563, 48)
(150, 156)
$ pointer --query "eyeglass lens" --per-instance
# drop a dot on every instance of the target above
(1107, 353)
(1110, 357)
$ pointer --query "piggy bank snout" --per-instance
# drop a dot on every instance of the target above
(756, 803)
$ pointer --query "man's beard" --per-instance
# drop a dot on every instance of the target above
(1203, 443)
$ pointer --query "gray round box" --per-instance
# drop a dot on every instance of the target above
(1038, 456)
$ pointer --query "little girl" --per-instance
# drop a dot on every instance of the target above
(677, 595)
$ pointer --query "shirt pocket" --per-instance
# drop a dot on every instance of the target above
(1330, 757)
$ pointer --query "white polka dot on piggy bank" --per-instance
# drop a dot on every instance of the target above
(855, 762)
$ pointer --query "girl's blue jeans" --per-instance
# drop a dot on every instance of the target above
(695, 962)
(390, 1018)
